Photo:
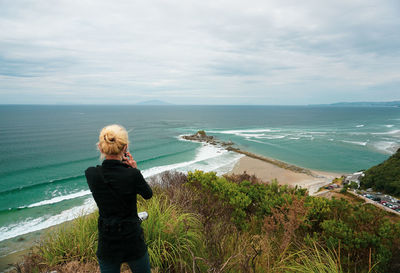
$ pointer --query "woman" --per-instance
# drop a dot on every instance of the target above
(114, 186)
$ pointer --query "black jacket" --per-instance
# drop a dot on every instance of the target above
(120, 235)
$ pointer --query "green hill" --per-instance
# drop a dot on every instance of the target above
(385, 176)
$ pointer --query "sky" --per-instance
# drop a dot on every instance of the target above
(199, 52)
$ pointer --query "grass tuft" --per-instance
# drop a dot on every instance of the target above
(171, 235)
(315, 260)
(73, 241)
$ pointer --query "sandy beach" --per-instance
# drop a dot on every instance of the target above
(268, 171)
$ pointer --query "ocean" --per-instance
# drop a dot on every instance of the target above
(44, 150)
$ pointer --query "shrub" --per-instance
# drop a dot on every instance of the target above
(244, 197)
(357, 230)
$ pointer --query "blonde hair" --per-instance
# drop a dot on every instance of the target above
(112, 139)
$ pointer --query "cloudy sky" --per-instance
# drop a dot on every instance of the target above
(199, 52)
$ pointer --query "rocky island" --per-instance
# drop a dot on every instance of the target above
(201, 136)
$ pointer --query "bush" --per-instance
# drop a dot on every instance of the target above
(245, 198)
(357, 230)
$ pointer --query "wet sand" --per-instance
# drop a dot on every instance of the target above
(13, 250)
(268, 171)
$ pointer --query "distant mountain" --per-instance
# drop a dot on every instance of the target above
(363, 104)
(154, 102)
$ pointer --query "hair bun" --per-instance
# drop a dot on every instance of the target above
(109, 137)
(112, 139)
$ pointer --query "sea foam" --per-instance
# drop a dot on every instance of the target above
(246, 133)
(387, 147)
(361, 143)
(31, 225)
(204, 153)
(59, 199)
(393, 132)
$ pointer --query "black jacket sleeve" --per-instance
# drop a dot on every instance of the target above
(142, 187)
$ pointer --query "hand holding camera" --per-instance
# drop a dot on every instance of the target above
(128, 160)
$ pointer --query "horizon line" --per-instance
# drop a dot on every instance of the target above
(171, 104)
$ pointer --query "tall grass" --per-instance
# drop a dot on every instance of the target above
(316, 260)
(171, 235)
(73, 241)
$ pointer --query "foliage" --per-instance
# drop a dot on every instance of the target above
(202, 133)
(287, 217)
(315, 259)
(353, 185)
(74, 241)
(171, 235)
(384, 176)
(204, 223)
(244, 197)
(339, 224)
(222, 240)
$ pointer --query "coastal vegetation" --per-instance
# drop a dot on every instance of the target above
(201, 222)
(384, 176)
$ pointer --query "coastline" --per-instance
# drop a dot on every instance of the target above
(266, 168)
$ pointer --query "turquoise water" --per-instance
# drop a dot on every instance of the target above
(44, 150)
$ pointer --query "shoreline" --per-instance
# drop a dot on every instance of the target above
(23, 245)
(19, 246)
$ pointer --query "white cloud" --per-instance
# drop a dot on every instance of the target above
(273, 52)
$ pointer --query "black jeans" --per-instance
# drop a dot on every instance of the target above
(141, 265)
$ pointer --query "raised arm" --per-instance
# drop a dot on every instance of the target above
(142, 187)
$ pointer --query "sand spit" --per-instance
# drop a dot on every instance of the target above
(268, 169)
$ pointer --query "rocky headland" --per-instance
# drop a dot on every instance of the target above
(201, 136)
